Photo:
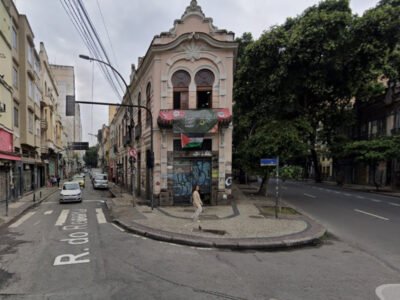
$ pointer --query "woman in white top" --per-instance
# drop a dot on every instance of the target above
(197, 203)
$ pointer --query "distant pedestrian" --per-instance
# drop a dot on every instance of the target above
(197, 203)
(58, 180)
(53, 180)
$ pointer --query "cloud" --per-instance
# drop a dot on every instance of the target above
(131, 26)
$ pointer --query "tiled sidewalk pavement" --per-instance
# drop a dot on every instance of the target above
(237, 226)
(19, 206)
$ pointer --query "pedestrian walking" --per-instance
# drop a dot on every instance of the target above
(197, 203)
(58, 180)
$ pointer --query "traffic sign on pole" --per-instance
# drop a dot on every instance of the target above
(132, 152)
(265, 162)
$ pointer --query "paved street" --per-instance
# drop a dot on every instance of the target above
(73, 252)
(367, 221)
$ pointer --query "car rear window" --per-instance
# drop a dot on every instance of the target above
(71, 186)
(101, 177)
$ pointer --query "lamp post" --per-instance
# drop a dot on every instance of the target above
(151, 166)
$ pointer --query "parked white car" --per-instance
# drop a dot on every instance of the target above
(100, 181)
(70, 192)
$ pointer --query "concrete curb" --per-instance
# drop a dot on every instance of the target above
(274, 243)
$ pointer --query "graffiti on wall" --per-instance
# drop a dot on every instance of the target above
(188, 173)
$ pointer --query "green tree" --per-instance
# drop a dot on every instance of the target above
(372, 152)
(91, 157)
(311, 68)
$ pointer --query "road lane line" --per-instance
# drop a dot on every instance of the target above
(119, 228)
(375, 200)
(394, 204)
(63, 217)
(22, 220)
(101, 219)
(308, 195)
(372, 215)
(360, 197)
(348, 195)
(49, 212)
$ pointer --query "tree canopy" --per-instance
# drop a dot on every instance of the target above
(296, 85)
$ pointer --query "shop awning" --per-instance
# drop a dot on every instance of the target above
(9, 157)
(197, 119)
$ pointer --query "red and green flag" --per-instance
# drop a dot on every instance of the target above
(189, 142)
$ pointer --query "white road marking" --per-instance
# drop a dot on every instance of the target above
(49, 212)
(375, 200)
(119, 228)
(101, 219)
(308, 195)
(63, 217)
(372, 215)
(388, 291)
(360, 197)
(22, 220)
(394, 204)
(36, 223)
(348, 195)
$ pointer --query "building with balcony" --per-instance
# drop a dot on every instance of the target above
(51, 125)
(8, 157)
(186, 81)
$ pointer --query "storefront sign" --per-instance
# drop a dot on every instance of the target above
(6, 141)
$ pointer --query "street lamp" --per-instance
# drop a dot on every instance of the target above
(151, 164)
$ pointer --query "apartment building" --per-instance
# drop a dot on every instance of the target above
(186, 81)
(65, 80)
(50, 123)
(8, 157)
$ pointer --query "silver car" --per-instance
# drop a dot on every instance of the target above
(100, 181)
(70, 192)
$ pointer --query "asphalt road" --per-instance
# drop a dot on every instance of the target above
(368, 221)
(73, 252)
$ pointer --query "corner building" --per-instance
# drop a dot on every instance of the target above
(186, 80)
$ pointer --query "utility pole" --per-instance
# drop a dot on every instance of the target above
(151, 160)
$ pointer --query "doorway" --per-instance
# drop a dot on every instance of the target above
(188, 173)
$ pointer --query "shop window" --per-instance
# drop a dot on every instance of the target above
(204, 80)
(181, 81)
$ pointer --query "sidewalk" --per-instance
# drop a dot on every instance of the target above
(19, 206)
(363, 188)
(248, 223)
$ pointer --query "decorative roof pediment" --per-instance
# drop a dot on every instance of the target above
(193, 11)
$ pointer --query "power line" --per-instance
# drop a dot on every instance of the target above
(81, 21)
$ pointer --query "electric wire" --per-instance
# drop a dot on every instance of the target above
(108, 34)
(98, 39)
(81, 21)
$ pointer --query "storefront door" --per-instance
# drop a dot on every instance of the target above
(190, 172)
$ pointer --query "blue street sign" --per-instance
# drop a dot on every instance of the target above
(265, 162)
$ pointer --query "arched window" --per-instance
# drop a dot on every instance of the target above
(180, 82)
(204, 80)
(148, 102)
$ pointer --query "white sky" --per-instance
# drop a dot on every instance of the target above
(132, 24)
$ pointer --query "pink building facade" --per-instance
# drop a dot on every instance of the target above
(186, 80)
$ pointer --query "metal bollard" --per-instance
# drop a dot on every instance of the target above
(40, 195)
(34, 197)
